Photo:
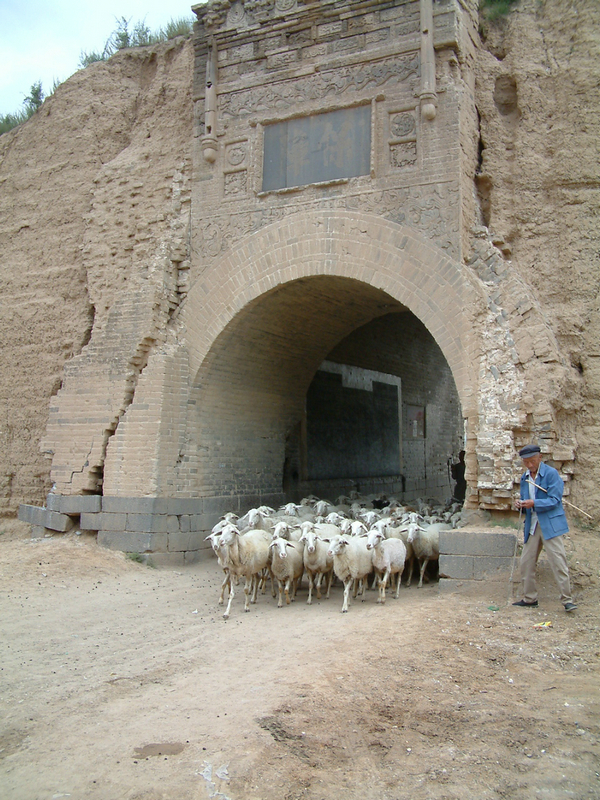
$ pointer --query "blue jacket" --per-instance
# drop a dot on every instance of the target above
(548, 505)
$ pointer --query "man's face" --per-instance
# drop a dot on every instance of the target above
(532, 462)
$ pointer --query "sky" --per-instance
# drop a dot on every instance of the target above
(44, 40)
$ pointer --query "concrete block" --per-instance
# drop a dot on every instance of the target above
(59, 522)
(90, 522)
(79, 503)
(53, 501)
(457, 567)
(33, 515)
(221, 505)
(184, 523)
(490, 567)
(148, 523)
(197, 556)
(459, 542)
(113, 522)
(185, 541)
(204, 522)
(184, 505)
(133, 542)
(123, 505)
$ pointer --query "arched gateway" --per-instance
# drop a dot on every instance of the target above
(331, 314)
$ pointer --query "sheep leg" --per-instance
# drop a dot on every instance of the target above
(329, 582)
(411, 562)
(280, 601)
(310, 588)
(255, 583)
(318, 584)
(398, 584)
(422, 572)
(226, 582)
(298, 582)
(248, 586)
(382, 584)
(231, 596)
(347, 585)
(289, 584)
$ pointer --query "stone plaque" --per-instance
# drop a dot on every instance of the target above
(321, 147)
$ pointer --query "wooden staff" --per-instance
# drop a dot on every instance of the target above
(566, 502)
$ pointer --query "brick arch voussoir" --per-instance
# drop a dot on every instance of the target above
(391, 257)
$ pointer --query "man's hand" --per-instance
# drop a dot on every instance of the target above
(524, 504)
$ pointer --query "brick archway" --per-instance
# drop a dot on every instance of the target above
(260, 321)
(386, 256)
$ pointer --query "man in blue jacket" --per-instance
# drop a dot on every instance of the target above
(545, 523)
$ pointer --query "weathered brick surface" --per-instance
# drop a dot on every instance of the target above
(134, 542)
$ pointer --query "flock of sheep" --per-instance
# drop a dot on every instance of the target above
(350, 539)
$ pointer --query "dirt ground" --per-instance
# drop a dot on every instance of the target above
(122, 681)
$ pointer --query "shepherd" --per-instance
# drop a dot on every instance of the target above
(545, 523)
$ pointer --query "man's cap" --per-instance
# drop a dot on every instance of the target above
(529, 450)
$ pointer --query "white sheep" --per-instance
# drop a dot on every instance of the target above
(352, 562)
(398, 532)
(389, 556)
(215, 542)
(287, 566)
(245, 556)
(255, 519)
(317, 562)
(286, 531)
(426, 545)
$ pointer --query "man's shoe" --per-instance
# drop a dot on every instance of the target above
(523, 604)
(570, 606)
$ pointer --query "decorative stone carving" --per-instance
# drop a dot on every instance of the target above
(216, 13)
(402, 125)
(236, 153)
(236, 14)
(259, 10)
(235, 182)
(432, 211)
(285, 5)
(403, 154)
(289, 94)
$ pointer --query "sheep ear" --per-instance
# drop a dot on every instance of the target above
(289, 544)
(328, 540)
(206, 538)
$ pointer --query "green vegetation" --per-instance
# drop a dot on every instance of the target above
(122, 37)
(494, 9)
(30, 105)
(139, 36)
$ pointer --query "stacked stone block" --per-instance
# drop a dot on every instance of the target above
(476, 560)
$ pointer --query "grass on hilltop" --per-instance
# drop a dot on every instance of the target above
(122, 37)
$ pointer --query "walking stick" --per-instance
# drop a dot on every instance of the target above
(566, 502)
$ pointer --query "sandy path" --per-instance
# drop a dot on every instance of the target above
(120, 681)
